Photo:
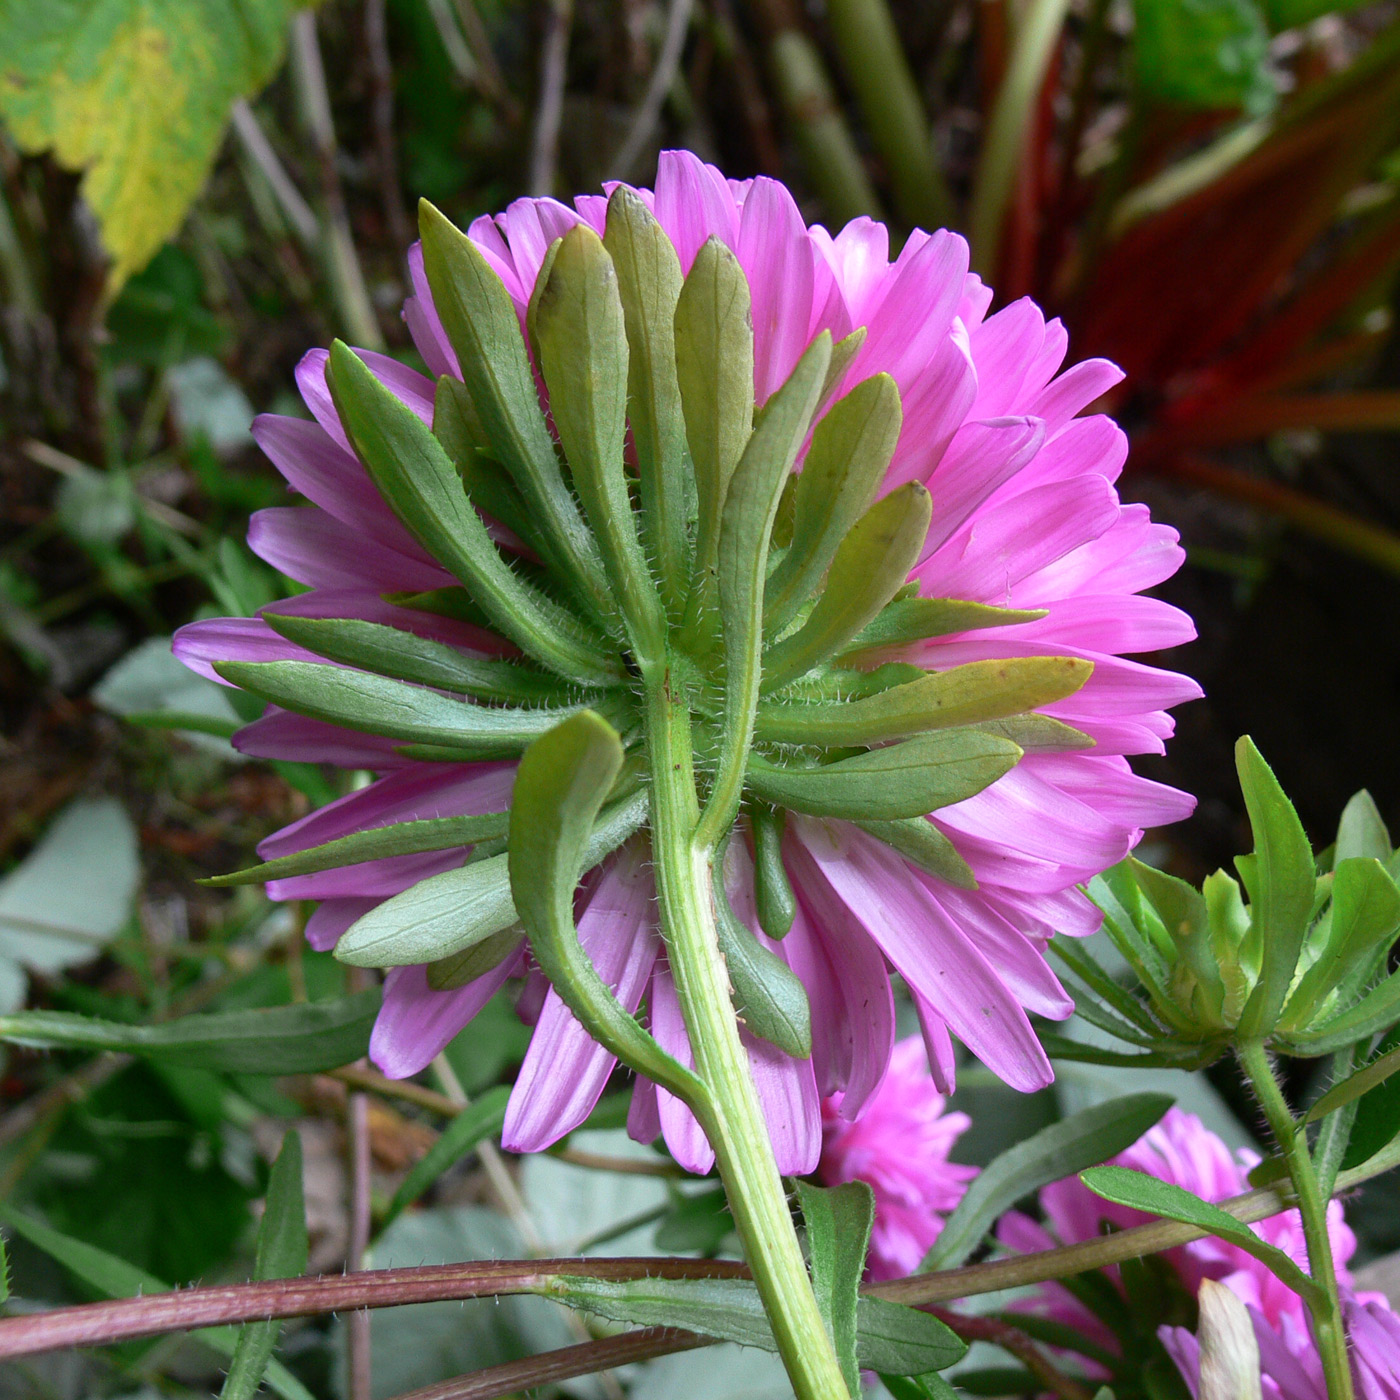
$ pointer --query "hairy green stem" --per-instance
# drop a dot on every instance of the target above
(1328, 1331)
(736, 1126)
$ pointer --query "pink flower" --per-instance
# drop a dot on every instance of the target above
(1289, 1366)
(899, 1145)
(1025, 515)
(1180, 1149)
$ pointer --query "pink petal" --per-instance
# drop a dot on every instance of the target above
(776, 256)
(415, 794)
(981, 456)
(787, 1093)
(415, 1023)
(199, 644)
(423, 322)
(643, 1114)
(565, 1069)
(926, 945)
(279, 734)
(1073, 391)
(1113, 622)
(693, 203)
(314, 548)
(331, 918)
(1005, 347)
(685, 1139)
(380, 879)
(935, 406)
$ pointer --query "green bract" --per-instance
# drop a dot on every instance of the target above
(674, 545)
(1292, 955)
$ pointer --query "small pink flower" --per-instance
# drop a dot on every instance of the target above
(1180, 1149)
(1025, 516)
(899, 1146)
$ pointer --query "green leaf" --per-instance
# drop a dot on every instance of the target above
(1138, 1191)
(768, 995)
(281, 1253)
(845, 466)
(1377, 1115)
(115, 1278)
(890, 1337)
(559, 788)
(871, 565)
(773, 896)
(473, 1126)
(1281, 889)
(1168, 1055)
(908, 779)
(918, 840)
(649, 283)
(401, 839)
(1289, 14)
(584, 358)
(299, 1039)
(838, 1223)
(480, 320)
(1361, 926)
(1052, 1154)
(915, 619)
(1203, 53)
(377, 705)
(714, 371)
(969, 694)
(404, 656)
(446, 913)
(698, 1224)
(933, 1387)
(1355, 1085)
(136, 96)
(418, 480)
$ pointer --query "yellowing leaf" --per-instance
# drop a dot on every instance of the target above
(135, 93)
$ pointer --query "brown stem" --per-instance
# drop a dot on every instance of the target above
(381, 75)
(361, 1077)
(357, 1328)
(515, 1377)
(1012, 1340)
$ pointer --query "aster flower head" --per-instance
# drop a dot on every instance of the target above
(794, 470)
(899, 1146)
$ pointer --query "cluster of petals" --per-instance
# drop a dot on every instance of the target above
(899, 1147)
(1025, 516)
(1181, 1150)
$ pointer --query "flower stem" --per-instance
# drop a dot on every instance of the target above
(1328, 1331)
(733, 1118)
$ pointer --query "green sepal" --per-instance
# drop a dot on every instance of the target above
(919, 841)
(1360, 927)
(745, 529)
(908, 779)
(1362, 831)
(1281, 889)
(377, 705)
(559, 789)
(773, 897)
(838, 1221)
(871, 563)
(405, 656)
(446, 974)
(532, 307)
(489, 487)
(418, 480)
(1378, 1010)
(447, 913)
(378, 843)
(1082, 963)
(480, 320)
(851, 450)
(649, 283)
(973, 693)
(907, 620)
(714, 372)
(1355, 1085)
(453, 601)
(584, 358)
(1197, 985)
(768, 995)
